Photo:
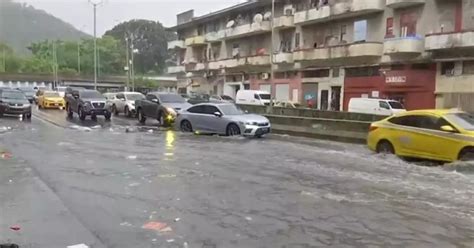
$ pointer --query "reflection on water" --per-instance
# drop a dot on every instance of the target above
(170, 140)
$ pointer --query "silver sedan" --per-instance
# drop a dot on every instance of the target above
(222, 118)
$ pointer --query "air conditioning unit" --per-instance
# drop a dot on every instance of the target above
(289, 10)
(265, 76)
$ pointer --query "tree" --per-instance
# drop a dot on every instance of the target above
(149, 38)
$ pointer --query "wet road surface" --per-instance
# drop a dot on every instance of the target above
(70, 182)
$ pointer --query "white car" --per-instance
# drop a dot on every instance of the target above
(253, 97)
(375, 106)
(124, 102)
(61, 90)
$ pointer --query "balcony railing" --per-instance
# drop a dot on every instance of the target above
(283, 57)
(367, 49)
(403, 3)
(215, 36)
(176, 44)
(195, 41)
(403, 45)
(248, 29)
(441, 41)
(339, 10)
(175, 69)
(284, 22)
(255, 60)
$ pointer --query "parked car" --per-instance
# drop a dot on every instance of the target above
(223, 98)
(124, 102)
(253, 97)
(14, 102)
(199, 98)
(442, 135)
(222, 118)
(375, 106)
(185, 96)
(61, 90)
(162, 106)
(87, 102)
(50, 99)
(285, 104)
(29, 93)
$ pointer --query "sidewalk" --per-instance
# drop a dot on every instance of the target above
(31, 215)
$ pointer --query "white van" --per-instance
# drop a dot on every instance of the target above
(375, 106)
(252, 97)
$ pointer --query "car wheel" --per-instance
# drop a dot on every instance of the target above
(467, 154)
(186, 126)
(70, 114)
(385, 147)
(108, 116)
(141, 117)
(94, 117)
(127, 112)
(161, 119)
(232, 130)
(82, 115)
(28, 116)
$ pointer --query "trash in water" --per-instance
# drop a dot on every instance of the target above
(185, 245)
(130, 130)
(170, 240)
(96, 127)
(4, 129)
(86, 129)
(157, 226)
(248, 218)
(5, 155)
(150, 131)
(177, 219)
(15, 228)
(166, 229)
(134, 185)
(167, 176)
(125, 224)
(78, 246)
(153, 240)
(10, 181)
(131, 157)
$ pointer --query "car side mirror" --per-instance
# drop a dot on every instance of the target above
(448, 128)
(155, 101)
(75, 95)
(218, 114)
(246, 111)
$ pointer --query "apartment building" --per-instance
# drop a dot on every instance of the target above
(324, 52)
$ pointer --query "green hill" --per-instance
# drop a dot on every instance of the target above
(21, 24)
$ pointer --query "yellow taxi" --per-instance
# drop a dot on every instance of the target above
(50, 99)
(442, 135)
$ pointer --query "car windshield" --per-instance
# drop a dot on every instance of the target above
(134, 97)
(230, 109)
(396, 105)
(28, 92)
(13, 95)
(51, 94)
(226, 97)
(90, 94)
(171, 98)
(463, 120)
(265, 96)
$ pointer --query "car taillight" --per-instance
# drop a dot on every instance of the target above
(372, 128)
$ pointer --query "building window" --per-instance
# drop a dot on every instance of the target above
(360, 30)
(447, 68)
(316, 73)
(297, 40)
(408, 24)
(389, 30)
(343, 33)
(370, 71)
(468, 67)
(335, 72)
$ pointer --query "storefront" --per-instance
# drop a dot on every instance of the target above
(412, 85)
(285, 87)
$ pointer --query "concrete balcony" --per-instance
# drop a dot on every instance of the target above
(283, 58)
(454, 40)
(395, 4)
(215, 36)
(355, 50)
(284, 22)
(195, 41)
(258, 60)
(339, 10)
(404, 45)
(248, 30)
(176, 44)
(200, 67)
(175, 69)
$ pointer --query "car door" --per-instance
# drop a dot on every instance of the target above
(149, 104)
(120, 102)
(195, 116)
(211, 122)
(384, 108)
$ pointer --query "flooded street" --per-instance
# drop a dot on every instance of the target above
(118, 185)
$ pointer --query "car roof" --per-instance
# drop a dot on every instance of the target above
(430, 112)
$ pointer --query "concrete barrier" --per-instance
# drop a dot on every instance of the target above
(339, 126)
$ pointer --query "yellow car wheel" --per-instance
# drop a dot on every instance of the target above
(385, 147)
(467, 154)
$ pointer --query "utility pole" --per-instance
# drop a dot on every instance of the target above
(272, 52)
(127, 67)
(95, 3)
(132, 71)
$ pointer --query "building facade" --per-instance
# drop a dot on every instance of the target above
(324, 52)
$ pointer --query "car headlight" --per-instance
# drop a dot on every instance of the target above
(171, 111)
(27, 105)
(87, 104)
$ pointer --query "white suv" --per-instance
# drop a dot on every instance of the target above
(124, 102)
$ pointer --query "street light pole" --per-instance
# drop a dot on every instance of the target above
(272, 53)
(127, 68)
(95, 3)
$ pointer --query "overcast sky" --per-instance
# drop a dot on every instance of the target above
(111, 12)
